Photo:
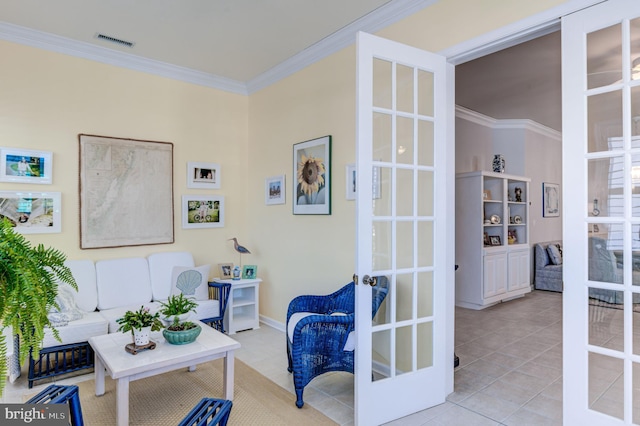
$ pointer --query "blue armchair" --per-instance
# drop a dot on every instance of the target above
(319, 333)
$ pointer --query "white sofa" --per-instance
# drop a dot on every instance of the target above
(106, 290)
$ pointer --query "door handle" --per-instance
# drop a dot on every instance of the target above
(365, 280)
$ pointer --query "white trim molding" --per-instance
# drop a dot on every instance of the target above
(501, 124)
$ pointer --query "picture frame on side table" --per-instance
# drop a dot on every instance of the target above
(32, 212)
(312, 171)
(249, 272)
(226, 270)
(26, 166)
(550, 199)
(203, 175)
(274, 190)
(202, 211)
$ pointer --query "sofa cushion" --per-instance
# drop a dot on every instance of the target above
(191, 281)
(91, 324)
(84, 272)
(123, 282)
(160, 270)
(206, 309)
(554, 254)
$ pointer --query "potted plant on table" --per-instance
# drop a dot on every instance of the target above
(177, 308)
(140, 323)
(176, 311)
(29, 278)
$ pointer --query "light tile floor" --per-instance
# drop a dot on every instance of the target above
(510, 369)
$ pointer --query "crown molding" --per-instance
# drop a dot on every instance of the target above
(378, 19)
(385, 15)
(54, 43)
(504, 124)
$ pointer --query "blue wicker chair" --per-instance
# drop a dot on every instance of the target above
(58, 394)
(318, 328)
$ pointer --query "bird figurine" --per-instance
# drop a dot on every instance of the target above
(240, 249)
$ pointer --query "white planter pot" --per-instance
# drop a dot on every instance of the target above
(141, 337)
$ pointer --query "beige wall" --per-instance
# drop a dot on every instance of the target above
(48, 98)
(315, 254)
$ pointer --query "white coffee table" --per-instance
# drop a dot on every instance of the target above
(110, 356)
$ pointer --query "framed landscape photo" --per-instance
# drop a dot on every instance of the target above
(25, 166)
(274, 190)
(225, 270)
(550, 199)
(312, 171)
(202, 211)
(203, 175)
(249, 272)
(32, 212)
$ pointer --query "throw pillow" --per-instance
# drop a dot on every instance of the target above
(191, 281)
(68, 310)
(554, 254)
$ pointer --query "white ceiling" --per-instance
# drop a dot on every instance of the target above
(230, 41)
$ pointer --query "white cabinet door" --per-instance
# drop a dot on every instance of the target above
(495, 274)
(518, 269)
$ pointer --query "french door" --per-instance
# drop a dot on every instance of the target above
(405, 184)
(601, 220)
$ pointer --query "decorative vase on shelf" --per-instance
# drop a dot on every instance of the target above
(141, 336)
(498, 163)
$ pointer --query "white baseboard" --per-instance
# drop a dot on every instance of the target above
(272, 323)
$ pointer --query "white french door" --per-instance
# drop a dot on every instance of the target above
(601, 220)
(405, 181)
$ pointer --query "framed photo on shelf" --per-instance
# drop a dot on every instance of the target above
(495, 240)
(486, 194)
(202, 211)
(312, 171)
(249, 272)
(274, 190)
(226, 270)
(550, 199)
(25, 166)
(203, 175)
(32, 212)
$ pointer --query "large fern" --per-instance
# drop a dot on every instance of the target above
(29, 279)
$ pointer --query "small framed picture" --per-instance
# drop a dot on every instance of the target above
(486, 194)
(351, 185)
(249, 272)
(225, 270)
(274, 190)
(495, 240)
(203, 175)
(32, 212)
(202, 211)
(25, 166)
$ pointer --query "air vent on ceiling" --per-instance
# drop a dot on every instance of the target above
(118, 41)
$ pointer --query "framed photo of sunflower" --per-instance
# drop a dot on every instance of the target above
(312, 174)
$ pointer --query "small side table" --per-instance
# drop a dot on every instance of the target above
(243, 308)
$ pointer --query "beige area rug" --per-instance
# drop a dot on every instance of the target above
(165, 399)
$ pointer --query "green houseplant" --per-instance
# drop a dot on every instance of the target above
(137, 320)
(29, 278)
(176, 310)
